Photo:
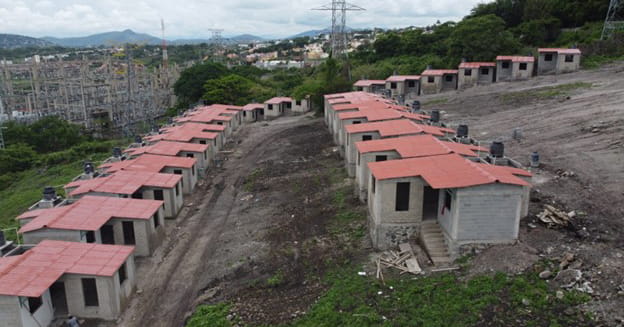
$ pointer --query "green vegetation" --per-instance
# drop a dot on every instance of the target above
(211, 316)
(250, 181)
(49, 152)
(437, 300)
(543, 93)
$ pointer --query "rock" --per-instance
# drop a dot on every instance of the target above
(559, 295)
(568, 278)
(585, 288)
(565, 261)
(545, 274)
(526, 302)
(572, 214)
(532, 225)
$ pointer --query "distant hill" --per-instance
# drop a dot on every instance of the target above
(243, 38)
(11, 41)
(109, 38)
(246, 38)
(315, 33)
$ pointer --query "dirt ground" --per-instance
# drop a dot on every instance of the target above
(245, 221)
(258, 230)
(579, 134)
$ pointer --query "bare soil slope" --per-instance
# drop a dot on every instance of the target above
(576, 123)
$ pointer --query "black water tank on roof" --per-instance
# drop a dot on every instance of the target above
(497, 149)
(462, 131)
(435, 116)
(49, 193)
(138, 139)
(416, 105)
(88, 167)
(2, 239)
(117, 152)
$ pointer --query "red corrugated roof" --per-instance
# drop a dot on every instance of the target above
(124, 182)
(278, 100)
(187, 132)
(33, 272)
(476, 64)
(89, 213)
(168, 148)
(372, 115)
(418, 146)
(438, 72)
(402, 78)
(448, 171)
(396, 128)
(149, 163)
(369, 82)
(560, 50)
(515, 58)
(253, 106)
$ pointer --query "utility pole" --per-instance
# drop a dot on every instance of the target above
(339, 10)
(614, 21)
(217, 43)
(2, 138)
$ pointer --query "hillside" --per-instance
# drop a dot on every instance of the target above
(109, 38)
(12, 41)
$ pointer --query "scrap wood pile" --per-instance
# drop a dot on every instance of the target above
(554, 217)
(403, 260)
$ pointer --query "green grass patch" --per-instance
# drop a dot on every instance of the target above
(211, 316)
(543, 93)
(439, 300)
(250, 181)
(593, 62)
(436, 101)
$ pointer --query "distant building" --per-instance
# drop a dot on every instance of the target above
(403, 87)
(370, 86)
(514, 68)
(278, 106)
(558, 61)
(476, 73)
(433, 81)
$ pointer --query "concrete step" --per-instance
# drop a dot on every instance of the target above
(434, 242)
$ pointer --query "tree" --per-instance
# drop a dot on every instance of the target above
(539, 32)
(16, 157)
(189, 88)
(388, 45)
(45, 135)
(481, 39)
(233, 89)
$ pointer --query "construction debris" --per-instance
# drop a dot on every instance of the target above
(554, 217)
(404, 260)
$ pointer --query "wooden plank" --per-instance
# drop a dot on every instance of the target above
(412, 266)
(405, 247)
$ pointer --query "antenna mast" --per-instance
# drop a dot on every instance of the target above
(165, 56)
(339, 10)
(614, 21)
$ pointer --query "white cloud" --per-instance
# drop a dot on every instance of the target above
(192, 18)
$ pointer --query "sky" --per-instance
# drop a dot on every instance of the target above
(193, 18)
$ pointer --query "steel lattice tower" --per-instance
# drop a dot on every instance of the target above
(218, 43)
(615, 19)
(339, 10)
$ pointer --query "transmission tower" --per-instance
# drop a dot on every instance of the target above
(2, 138)
(614, 21)
(217, 43)
(339, 10)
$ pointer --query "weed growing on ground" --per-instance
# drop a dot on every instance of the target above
(438, 300)
(250, 181)
(276, 280)
(543, 93)
(436, 101)
(211, 316)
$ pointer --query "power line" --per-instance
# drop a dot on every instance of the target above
(339, 10)
(615, 19)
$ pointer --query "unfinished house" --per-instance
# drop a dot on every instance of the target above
(98, 219)
(447, 200)
(369, 115)
(185, 167)
(354, 103)
(514, 68)
(382, 130)
(135, 185)
(433, 81)
(476, 73)
(370, 86)
(55, 279)
(403, 87)
(253, 112)
(403, 147)
(558, 61)
(301, 106)
(201, 152)
(277, 107)
(199, 133)
(212, 117)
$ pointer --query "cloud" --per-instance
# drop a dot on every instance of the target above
(193, 18)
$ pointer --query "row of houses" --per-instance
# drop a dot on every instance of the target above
(469, 74)
(78, 253)
(421, 179)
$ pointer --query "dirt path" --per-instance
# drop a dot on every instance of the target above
(191, 256)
